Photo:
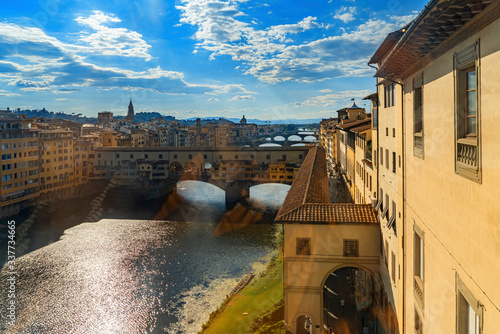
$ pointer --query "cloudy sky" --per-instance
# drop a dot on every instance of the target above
(264, 59)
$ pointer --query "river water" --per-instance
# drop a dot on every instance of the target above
(138, 276)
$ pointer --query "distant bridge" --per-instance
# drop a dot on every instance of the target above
(170, 163)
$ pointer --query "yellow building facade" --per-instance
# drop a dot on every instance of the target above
(447, 179)
(56, 160)
(19, 173)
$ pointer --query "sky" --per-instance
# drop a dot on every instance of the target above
(271, 60)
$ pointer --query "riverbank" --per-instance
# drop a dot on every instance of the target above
(256, 309)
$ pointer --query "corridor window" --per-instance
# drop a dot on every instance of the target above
(303, 246)
(351, 248)
(467, 113)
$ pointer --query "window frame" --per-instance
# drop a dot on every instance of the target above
(418, 115)
(345, 247)
(304, 249)
(467, 146)
(465, 301)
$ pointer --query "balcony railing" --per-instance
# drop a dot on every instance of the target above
(467, 153)
(418, 143)
(418, 288)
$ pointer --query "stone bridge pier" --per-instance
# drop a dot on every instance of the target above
(236, 191)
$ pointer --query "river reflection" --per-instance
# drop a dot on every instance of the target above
(134, 276)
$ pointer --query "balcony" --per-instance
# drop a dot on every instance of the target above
(467, 159)
(418, 291)
(418, 144)
(467, 153)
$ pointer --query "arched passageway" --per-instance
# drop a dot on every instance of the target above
(349, 301)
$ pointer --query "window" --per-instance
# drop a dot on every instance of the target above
(469, 311)
(386, 208)
(393, 267)
(387, 132)
(394, 132)
(375, 158)
(394, 162)
(467, 113)
(418, 256)
(351, 248)
(381, 156)
(387, 158)
(303, 246)
(392, 220)
(380, 204)
(389, 95)
(418, 129)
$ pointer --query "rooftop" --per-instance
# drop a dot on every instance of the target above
(308, 200)
(437, 25)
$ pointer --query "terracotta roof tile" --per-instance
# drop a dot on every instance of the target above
(330, 213)
(362, 128)
(350, 125)
(308, 200)
(310, 184)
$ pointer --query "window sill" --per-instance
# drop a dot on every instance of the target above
(467, 141)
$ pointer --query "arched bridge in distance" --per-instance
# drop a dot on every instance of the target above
(233, 169)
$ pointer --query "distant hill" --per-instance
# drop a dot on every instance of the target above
(147, 116)
(221, 120)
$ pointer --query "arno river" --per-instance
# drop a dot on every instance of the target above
(139, 276)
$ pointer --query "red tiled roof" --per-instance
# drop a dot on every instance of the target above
(350, 125)
(362, 128)
(330, 213)
(308, 198)
(310, 184)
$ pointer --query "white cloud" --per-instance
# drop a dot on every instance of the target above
(34, 61)
(242, 97)
(272, 56)
(213, 99)
(112, 41)
(345, 14)
(338, 100)
(7, 93)
(325, 91)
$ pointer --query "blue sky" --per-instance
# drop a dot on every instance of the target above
(186, 58)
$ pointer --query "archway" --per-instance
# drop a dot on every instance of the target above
(175, 169)
(349, 300)
(301, 327)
